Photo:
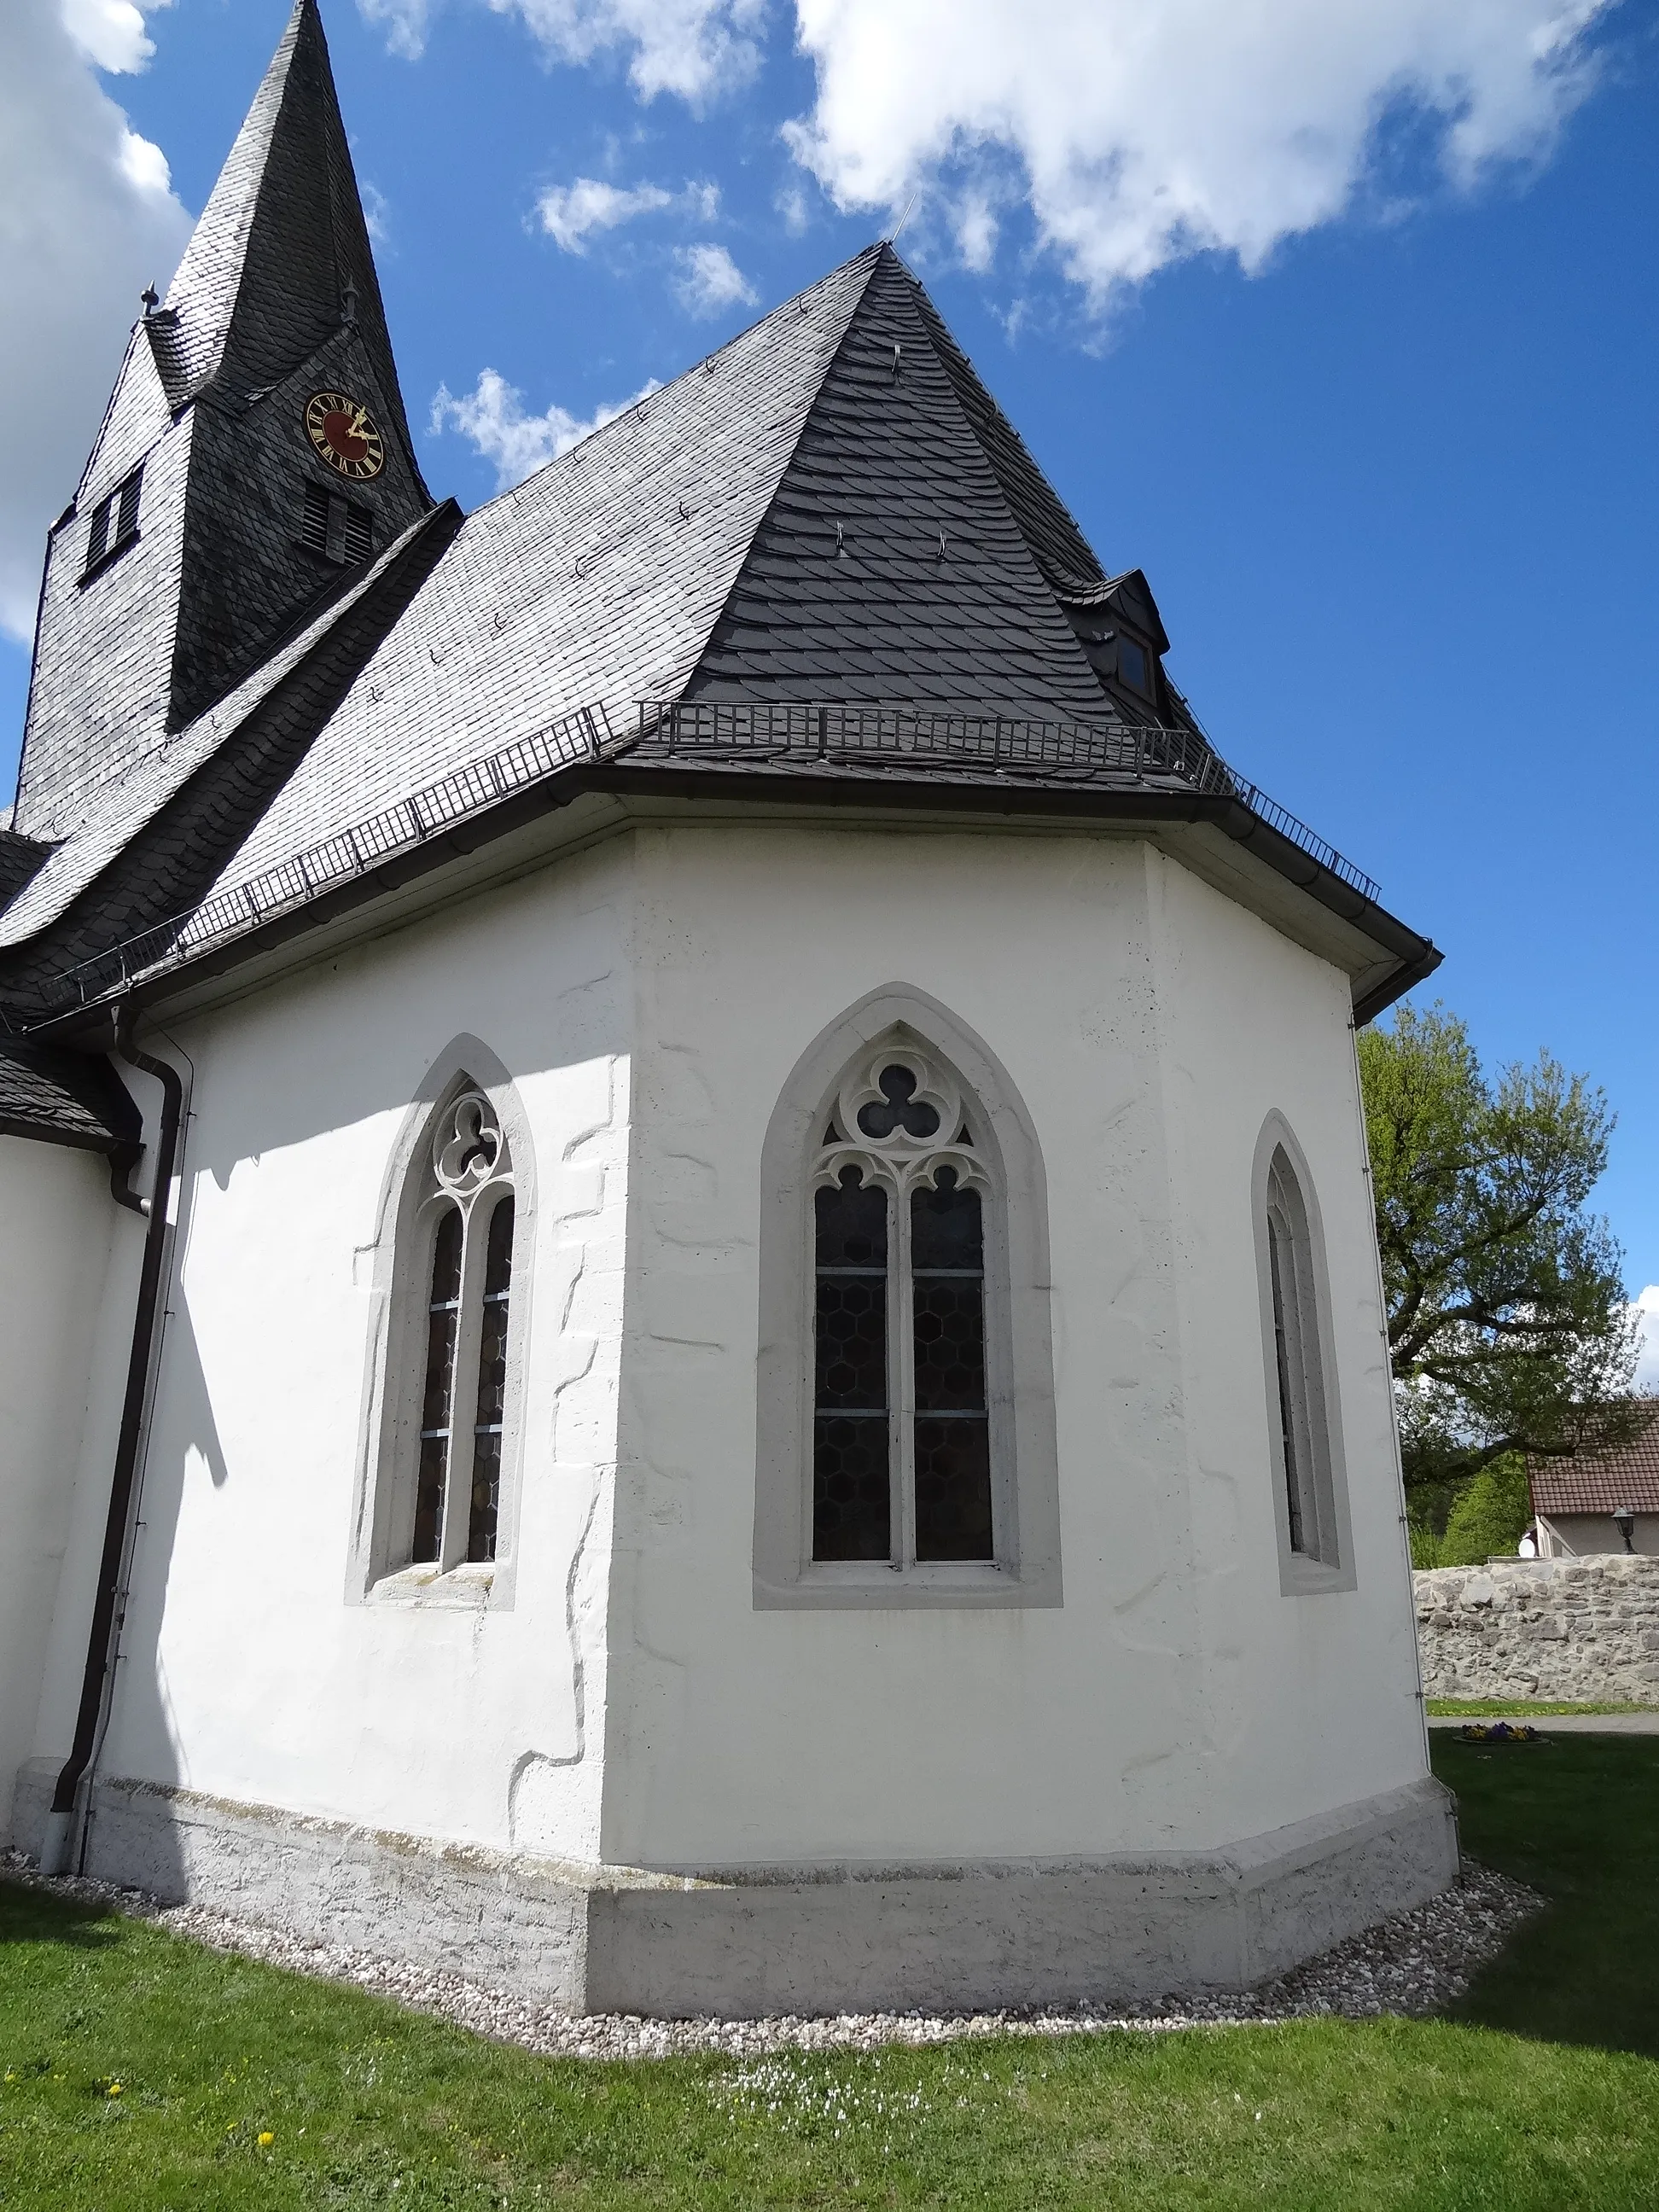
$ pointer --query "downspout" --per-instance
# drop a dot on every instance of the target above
(55, 1850)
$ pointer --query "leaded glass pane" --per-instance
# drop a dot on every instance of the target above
(443, 1319)
(953, 1490)
(1281, 1268)
(485, 1502)
(953, 1453)
(852, 1506)
(852, 1489)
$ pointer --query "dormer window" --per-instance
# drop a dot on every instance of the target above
(333, 528)
(114, 525)
(1131, 664)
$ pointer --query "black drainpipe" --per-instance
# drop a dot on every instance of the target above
(102, 1639)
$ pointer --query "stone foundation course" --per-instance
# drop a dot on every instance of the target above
(772, 1941)
(1584, 1629)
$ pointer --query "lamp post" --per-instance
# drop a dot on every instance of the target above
(1625, 1522)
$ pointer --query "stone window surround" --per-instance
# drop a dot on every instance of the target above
(1299, 1575)
(398, 1265)
(1027, 1571)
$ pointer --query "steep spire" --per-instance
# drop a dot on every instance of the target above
(281, 256)
(209, 523)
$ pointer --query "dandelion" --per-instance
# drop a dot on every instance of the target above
(114, 2090)
(266, 2140)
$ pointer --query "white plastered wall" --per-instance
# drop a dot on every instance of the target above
(246, 1674)
(648, 999)
(1177, 1700)
(60, 1229)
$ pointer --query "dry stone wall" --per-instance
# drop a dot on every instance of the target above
(1581, 1628)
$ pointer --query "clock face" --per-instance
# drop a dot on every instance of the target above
(343, 432)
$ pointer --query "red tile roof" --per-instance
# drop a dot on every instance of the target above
(1601, 1482)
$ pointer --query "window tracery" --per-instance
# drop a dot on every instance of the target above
(901, 1455)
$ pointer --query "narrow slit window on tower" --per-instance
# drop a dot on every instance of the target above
(334, 528)
(114, 523)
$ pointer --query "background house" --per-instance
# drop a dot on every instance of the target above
(1575, 1500)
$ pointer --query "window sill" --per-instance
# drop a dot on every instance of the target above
(464, 1589)
(856, 1586)
(1300, 1577)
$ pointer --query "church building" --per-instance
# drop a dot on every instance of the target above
(690, 1317)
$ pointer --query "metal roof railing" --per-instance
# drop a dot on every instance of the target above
(1082, 751)
(837, 736)
(586, 735)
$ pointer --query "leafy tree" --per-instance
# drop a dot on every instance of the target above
(1489, 1516)
(1508, 1329)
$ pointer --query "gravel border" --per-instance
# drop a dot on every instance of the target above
(1416, 1964)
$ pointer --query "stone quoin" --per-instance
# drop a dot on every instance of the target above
(692, 1319)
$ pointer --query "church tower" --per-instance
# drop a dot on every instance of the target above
(254, 456)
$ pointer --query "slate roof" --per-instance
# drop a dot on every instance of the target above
(1601, 1482)
(597, 580)
(64, 1097)
(281, 238)
(125, 807)
(830, 510)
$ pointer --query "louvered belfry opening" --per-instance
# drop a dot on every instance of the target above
(114, 522)
(335, 528)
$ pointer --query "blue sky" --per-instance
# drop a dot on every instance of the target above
(1395, 487)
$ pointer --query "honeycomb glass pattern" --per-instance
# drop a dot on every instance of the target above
(852, 1510)
(492, 1386)
(952, 1434)
(443, 1321)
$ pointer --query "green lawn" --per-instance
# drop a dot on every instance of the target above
(1482, 1708)
(1545, 2095)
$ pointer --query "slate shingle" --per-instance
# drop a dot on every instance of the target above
(832, 508)
(64, 1097)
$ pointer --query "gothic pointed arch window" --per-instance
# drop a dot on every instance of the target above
(466, 1219)
(435, 1510)
(901, 1443)
(906, 1443)
(1305, 1427)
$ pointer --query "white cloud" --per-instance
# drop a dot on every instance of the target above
(144, 165)
(1147, 133)
(111, 32)
(571, 213)
(697, 48)
(1647, 1364)
(406, 22)
(377, 212)
(710, 280)
(87, 218)
(975, 225)
(493, 417)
